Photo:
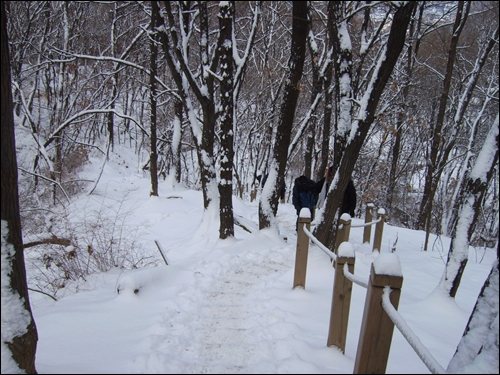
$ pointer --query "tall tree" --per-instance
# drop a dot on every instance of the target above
(196, 78)
(357, 130)
(226, 17)
(463, 103)
(437, 136)
(342, 45)
(153, 160)
(402, 117)
(328, 101)
(316, 92)
(19, 334)
(268, 204)
(472, 195)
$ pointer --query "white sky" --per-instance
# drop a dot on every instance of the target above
(228, 306)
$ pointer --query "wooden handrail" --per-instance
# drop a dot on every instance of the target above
(368, 218)
(377, 328)
(301, 253)
(341, 297)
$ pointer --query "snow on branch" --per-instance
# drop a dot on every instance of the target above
(68, 122)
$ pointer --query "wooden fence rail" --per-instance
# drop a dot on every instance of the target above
(377, 328)
(380, 313)
(368, 218)
(302, 250)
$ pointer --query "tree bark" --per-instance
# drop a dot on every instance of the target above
(328, 103)
(153, 159)
(203, 91)
(317, 87)
(268, 204)
(226, 228)
(393, 48)
(343, 81)
(176, 142)
(471, 199)
(23, 345)
(437, 138)
(481, 325)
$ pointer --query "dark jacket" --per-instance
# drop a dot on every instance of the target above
(349, 201)
(304, 194)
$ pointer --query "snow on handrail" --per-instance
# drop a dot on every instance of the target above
(320, 245)
(424, 354)
(366, 224)
(355, 279)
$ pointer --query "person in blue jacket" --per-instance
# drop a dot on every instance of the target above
(304, 194)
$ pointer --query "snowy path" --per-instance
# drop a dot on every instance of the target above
(232, 335)
(228, 319)
(229, 329)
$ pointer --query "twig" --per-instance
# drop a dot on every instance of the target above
(47, 179)
(242, 226)
(39, 291)
(161, 252)
(52, 241)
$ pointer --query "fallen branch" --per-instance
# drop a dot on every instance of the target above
(238, 221)
(48, 241)
(47, 294)
(161, 252)
(242, 226)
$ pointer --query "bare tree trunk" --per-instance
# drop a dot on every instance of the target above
(471, 199)
(179, 111)
(437, 138)
(153, 159)
(317, 87)
(402, 118)
(343, 80)
(172, 42)
(226, 228)
(268, 204)
(389, 57)
(328, 103)
(481, 325)
(177, 136)
(22, 344)
(309, 149)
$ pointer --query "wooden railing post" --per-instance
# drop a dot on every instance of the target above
(302, 251)
(341, 298)
(368, 219)
(377, 328)
(344, 231)
(379, 230)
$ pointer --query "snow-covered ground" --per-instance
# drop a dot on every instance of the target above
(227, 306)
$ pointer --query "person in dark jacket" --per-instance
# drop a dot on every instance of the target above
(349, 200)
(304, 194)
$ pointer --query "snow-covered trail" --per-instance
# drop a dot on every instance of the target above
(233, 336)
(227, 332)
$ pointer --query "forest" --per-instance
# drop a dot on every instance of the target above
(402, 97)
